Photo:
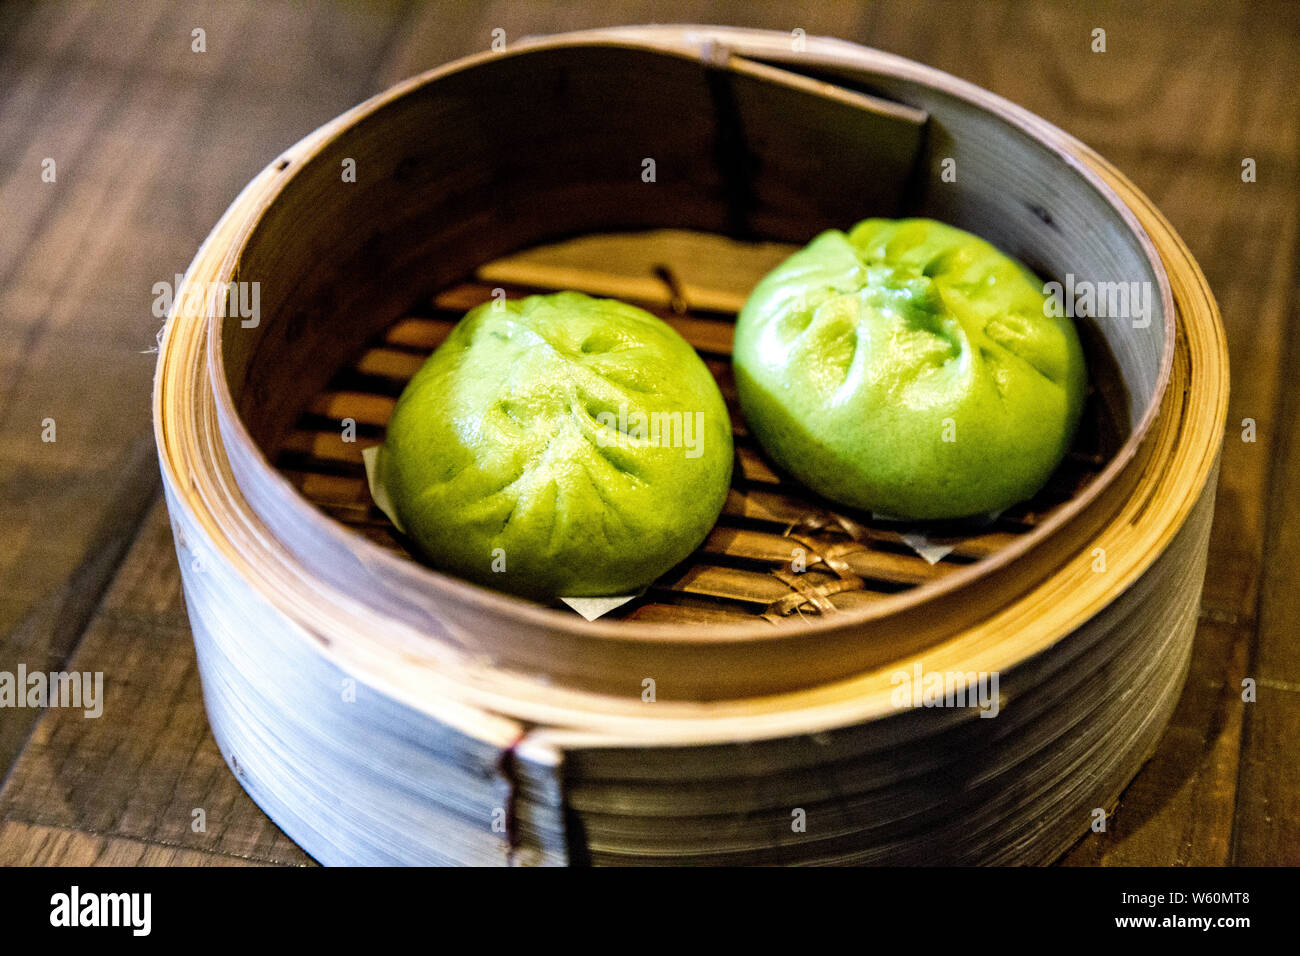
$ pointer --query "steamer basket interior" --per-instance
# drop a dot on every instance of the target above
(743, 570)
(359, 281)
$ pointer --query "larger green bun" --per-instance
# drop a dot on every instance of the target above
(559, 445)
(909, 368)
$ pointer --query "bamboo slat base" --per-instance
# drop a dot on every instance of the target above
(744, 569)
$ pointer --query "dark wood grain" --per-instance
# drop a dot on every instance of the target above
(152, 141)
(142, 769)
(29, 845)
(1178, 811)
(44, 639)
(1266, 828)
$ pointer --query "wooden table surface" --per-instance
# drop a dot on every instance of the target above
(151, 140)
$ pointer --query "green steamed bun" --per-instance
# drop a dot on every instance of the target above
(909, 368)
(559, 445)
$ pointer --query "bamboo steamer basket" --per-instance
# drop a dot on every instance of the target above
(381, 712)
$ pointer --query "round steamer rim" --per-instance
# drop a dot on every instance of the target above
(268, 185)
(462, 704)
(584, 720)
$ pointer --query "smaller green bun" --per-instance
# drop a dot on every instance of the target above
(911, 369)
(559, 446)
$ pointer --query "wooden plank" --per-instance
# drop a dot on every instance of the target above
(709, 335)
(364, 408)
(142, 769)
(779, 550)
(764, 504)
(1178, 128)
(753, 588)
(25, 844)
(328, 446)
(1266, 829)
(1178, 809)
(653, 611)
(1267, 823)
(1259, 222)
(331, 489)
(46, 637)
(151, 140)
(390, 363)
